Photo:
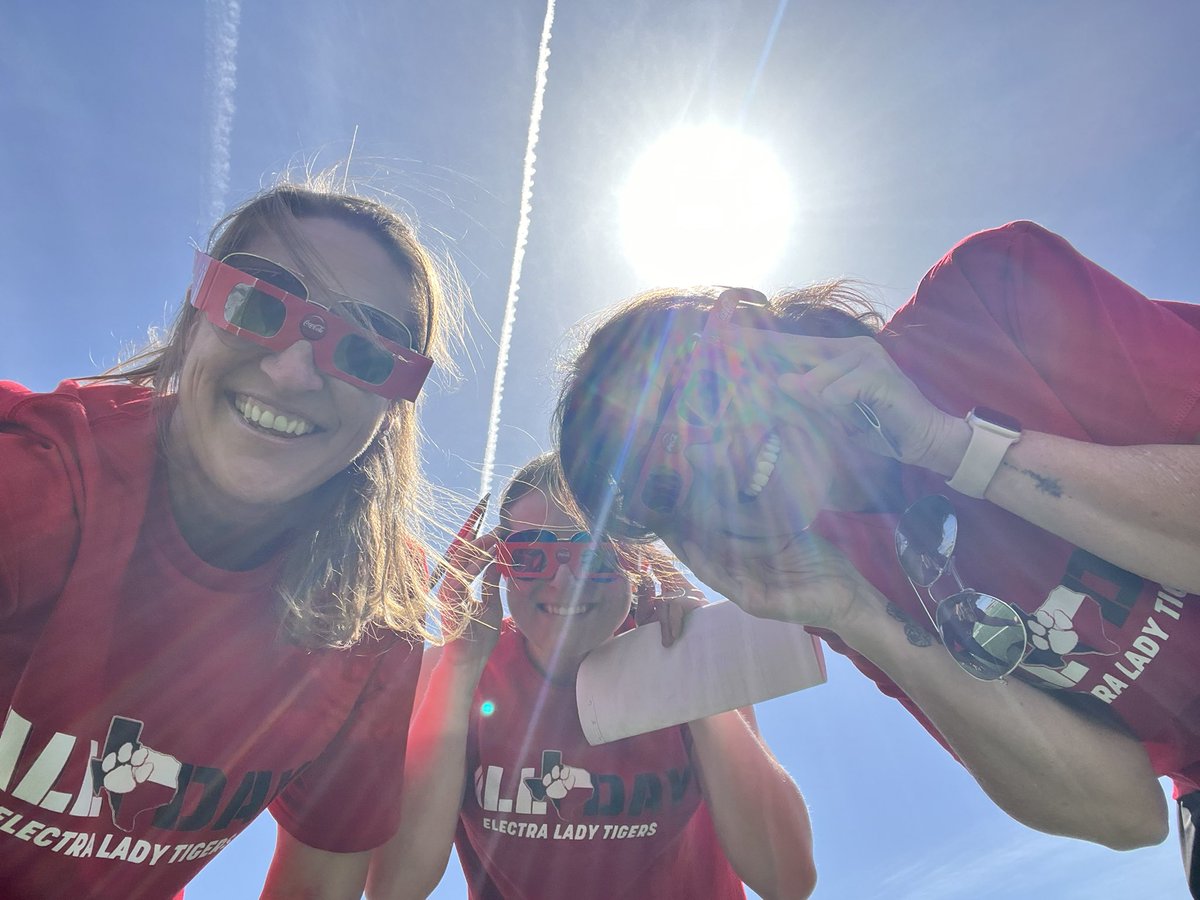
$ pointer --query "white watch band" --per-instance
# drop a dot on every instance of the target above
(989, 442)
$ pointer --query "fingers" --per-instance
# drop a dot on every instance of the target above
(853, 388)
(466, 561)
(671, 621)
(671, 610)
(489, 597)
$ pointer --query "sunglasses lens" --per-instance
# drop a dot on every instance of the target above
(985, 635)
(265, 270)
(662, 490)
(357, 356)
(254, 311)
(531, 536)
(925, 539)
(377, 321)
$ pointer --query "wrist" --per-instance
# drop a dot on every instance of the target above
(992, 435)
(862, 618)
(947, 452)
(467, 656)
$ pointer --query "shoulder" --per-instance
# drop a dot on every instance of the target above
(72, 406)
(57, 475)
(1014, 280)
(1020, 262)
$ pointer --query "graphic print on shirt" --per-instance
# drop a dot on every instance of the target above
(573, 798)
(567, 788)
(1071, 633)
(53, 792)
(135, 777)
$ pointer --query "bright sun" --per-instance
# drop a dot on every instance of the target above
(706, 205)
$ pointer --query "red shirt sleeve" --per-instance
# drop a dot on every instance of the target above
(348, 800)
(39, 525)
(1062, 338)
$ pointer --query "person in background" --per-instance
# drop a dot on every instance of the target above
(212, 589)
(1015, 449)
(499, 765)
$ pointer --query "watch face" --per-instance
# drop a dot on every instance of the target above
(999, 419)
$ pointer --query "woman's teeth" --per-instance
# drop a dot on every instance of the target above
(270, 419)
(566, 610)
(764, 467)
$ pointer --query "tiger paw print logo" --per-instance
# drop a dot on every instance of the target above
(1052, 630)
(1068, 623)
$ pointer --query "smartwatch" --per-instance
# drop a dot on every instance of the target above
(992, 433)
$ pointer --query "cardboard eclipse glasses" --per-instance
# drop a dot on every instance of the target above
(538, 554)
(269, 306)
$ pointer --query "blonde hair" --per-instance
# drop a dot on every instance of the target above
(362, 566)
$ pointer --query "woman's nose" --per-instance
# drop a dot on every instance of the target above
(293, 368)
(564, 577)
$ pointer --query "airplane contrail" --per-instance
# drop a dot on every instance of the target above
(510, 306)
(222, 19)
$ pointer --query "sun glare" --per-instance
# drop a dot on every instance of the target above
(706, 204)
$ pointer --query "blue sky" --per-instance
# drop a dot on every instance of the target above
(903, 127)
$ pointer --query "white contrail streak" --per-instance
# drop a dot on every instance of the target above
(514, 282)
(222, 18)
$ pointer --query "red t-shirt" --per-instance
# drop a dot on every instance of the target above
(547, 815)
(1017, 320)
(153, 709)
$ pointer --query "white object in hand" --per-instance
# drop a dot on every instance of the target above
(725, 659)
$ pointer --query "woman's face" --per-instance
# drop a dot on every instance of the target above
(261, 429)
(563, 617)
(757, 477)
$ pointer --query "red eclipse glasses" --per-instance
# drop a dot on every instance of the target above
(538, 554)
(266, 303)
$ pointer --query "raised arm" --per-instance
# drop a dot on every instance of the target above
(298, 870)
(1135, 506)
(1105, 382)
(759, 812)
(1047, 765)
(412, 863)
(1051, 767)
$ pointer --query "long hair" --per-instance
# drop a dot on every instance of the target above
(605, 387)
(362, 565)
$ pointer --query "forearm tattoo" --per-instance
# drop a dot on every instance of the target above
(1047, 484)
(917, 636)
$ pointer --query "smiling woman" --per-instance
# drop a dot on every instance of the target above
(828, 443)
(212, 579)
(682, 812)
(706, 203)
